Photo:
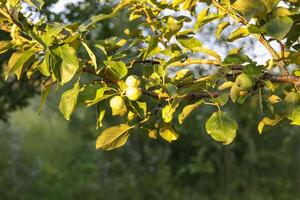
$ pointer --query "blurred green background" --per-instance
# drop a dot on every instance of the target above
(45, 157)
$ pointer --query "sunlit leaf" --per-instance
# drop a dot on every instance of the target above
(187, 110)
(68, 101)
(117, 68)
(91, 54)
(113, 137)
(266, 121)
(296, 116)
(221, 27)
(221, 127)
(69, 62)
(279, 27)
(17, 61)
(238, 33)
(167, 113)
(168, 133)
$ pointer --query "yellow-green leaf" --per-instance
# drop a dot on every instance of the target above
(69, 62)
(187, 111)
(91, 54)
(4, 46)
(68, 101)
(167, 113)
(220, 28)
(117, 68)
(296, 116)
(226, 85)
(274, 99)
(221, 127)
(249, 8)
(279, 27)
(38, 4)
(17, 61)
(238, 33)
(168, 133)
(269, 122)
(113, 137)
(44, 67)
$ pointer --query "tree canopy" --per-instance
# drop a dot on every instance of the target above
(144, 72)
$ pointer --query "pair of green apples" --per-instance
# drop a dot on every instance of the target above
(133, 92)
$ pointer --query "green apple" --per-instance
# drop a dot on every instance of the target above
(244, 82)
(133, 93)
(133, 81)
(117, 102)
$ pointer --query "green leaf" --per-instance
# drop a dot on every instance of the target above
(122, 4)
(292, 101)
(54, 29)
(270, 4)
(44, 67)
(170, 89)
(38, 4)
(102, 48)
(282, 12)
(153, 48)
(269, 122)
(177, 2)
(4, 46)
(221, 127)
(209, 52)
(168, 133)
(236, 59)
(226, 85)
(167, 113)
(17, 61)
(68, 101)
(91, 54)
(222, 100)
(220, 28)
(117, 68)
(279, 27)
(295, 117)
(113, 137)
(97, 18)
(99, 96)
(88, 92)
(249, 8)
(238, 33)
(204, 18)
(69, 62)
(12, 3)
(173, 26)
(187, 110)
(142, 107)
(189, 42)
(187, 4)
(101, 110)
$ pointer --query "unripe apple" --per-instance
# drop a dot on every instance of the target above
(117, 102)
(133, 81)
(133, 93)
(244, 82)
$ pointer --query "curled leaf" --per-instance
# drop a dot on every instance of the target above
(168, 133)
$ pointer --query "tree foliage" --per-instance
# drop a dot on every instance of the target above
(159, 50)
